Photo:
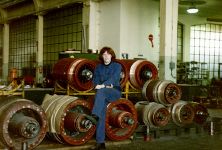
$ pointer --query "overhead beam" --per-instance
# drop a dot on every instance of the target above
(34, 7)
(20, 10)
(3, 15)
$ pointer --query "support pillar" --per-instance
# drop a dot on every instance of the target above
(39, 59)
(168, 39)
(5, 51)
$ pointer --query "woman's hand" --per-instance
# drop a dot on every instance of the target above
(109, 86)
(99, 86)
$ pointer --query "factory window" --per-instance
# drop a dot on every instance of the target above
(22, 46)
(206, 48)
(179, 43)
(62, 31)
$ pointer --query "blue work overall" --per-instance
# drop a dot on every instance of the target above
(107, 75)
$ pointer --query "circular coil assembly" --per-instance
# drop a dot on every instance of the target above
(121, 119)
(68, 119)
(152, 114)
(161, 91)
(77, 73)
(22, 123)
(182, 113)
(140, 71)
(201, 113)
(124, 72)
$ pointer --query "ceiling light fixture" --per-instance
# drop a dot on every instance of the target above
(192, 10)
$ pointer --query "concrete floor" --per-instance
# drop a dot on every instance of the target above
(185, 141)
(202, 141)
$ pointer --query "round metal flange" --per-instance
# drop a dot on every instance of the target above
(31, 127)
(182, 113)
(120, 119)
(24, 126)
(153, 114)
(201, 113)
(126, 122)
(60, 71)
(78, 73)
(77, 137)
(158, 114)
(141, 71)
(75, 121)
(67, 119)
(168, 92)
(161, 91)
(172, 93)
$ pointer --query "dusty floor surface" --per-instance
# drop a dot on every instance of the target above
(183, 142)
(194, 142)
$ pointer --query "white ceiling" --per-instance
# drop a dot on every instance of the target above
(210, 9)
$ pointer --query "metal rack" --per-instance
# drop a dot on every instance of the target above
(127, 90)
(13, 89)
(192, 73)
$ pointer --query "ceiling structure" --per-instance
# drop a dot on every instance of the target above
(210, 9)
(8, 3)
(12, 9)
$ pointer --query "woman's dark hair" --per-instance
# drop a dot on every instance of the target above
(108, 50)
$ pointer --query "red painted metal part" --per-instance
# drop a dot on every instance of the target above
(140, 71)
(152, 114)
(121, 119)
(182, 113)
(77, 73)
(201, 113)
(22, 121)
(161, 91)
(77, 122)
(161, 117)
(67, 119)
(85, 136)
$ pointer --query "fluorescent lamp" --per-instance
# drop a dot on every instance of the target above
(192, 10)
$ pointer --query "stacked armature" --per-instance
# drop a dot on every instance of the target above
(78, 73)
(168, 93)
(162, 96)
(68, 119)
(182, 113)
(75, 72)
(152, 114)
(139, 71)
(161, 91)
(121, 119)
(23, 123)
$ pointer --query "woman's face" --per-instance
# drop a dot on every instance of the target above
(106, 58)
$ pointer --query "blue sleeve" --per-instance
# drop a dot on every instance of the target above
(115, 75)
(96, 76)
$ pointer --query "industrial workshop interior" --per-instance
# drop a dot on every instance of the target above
(170, 52)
